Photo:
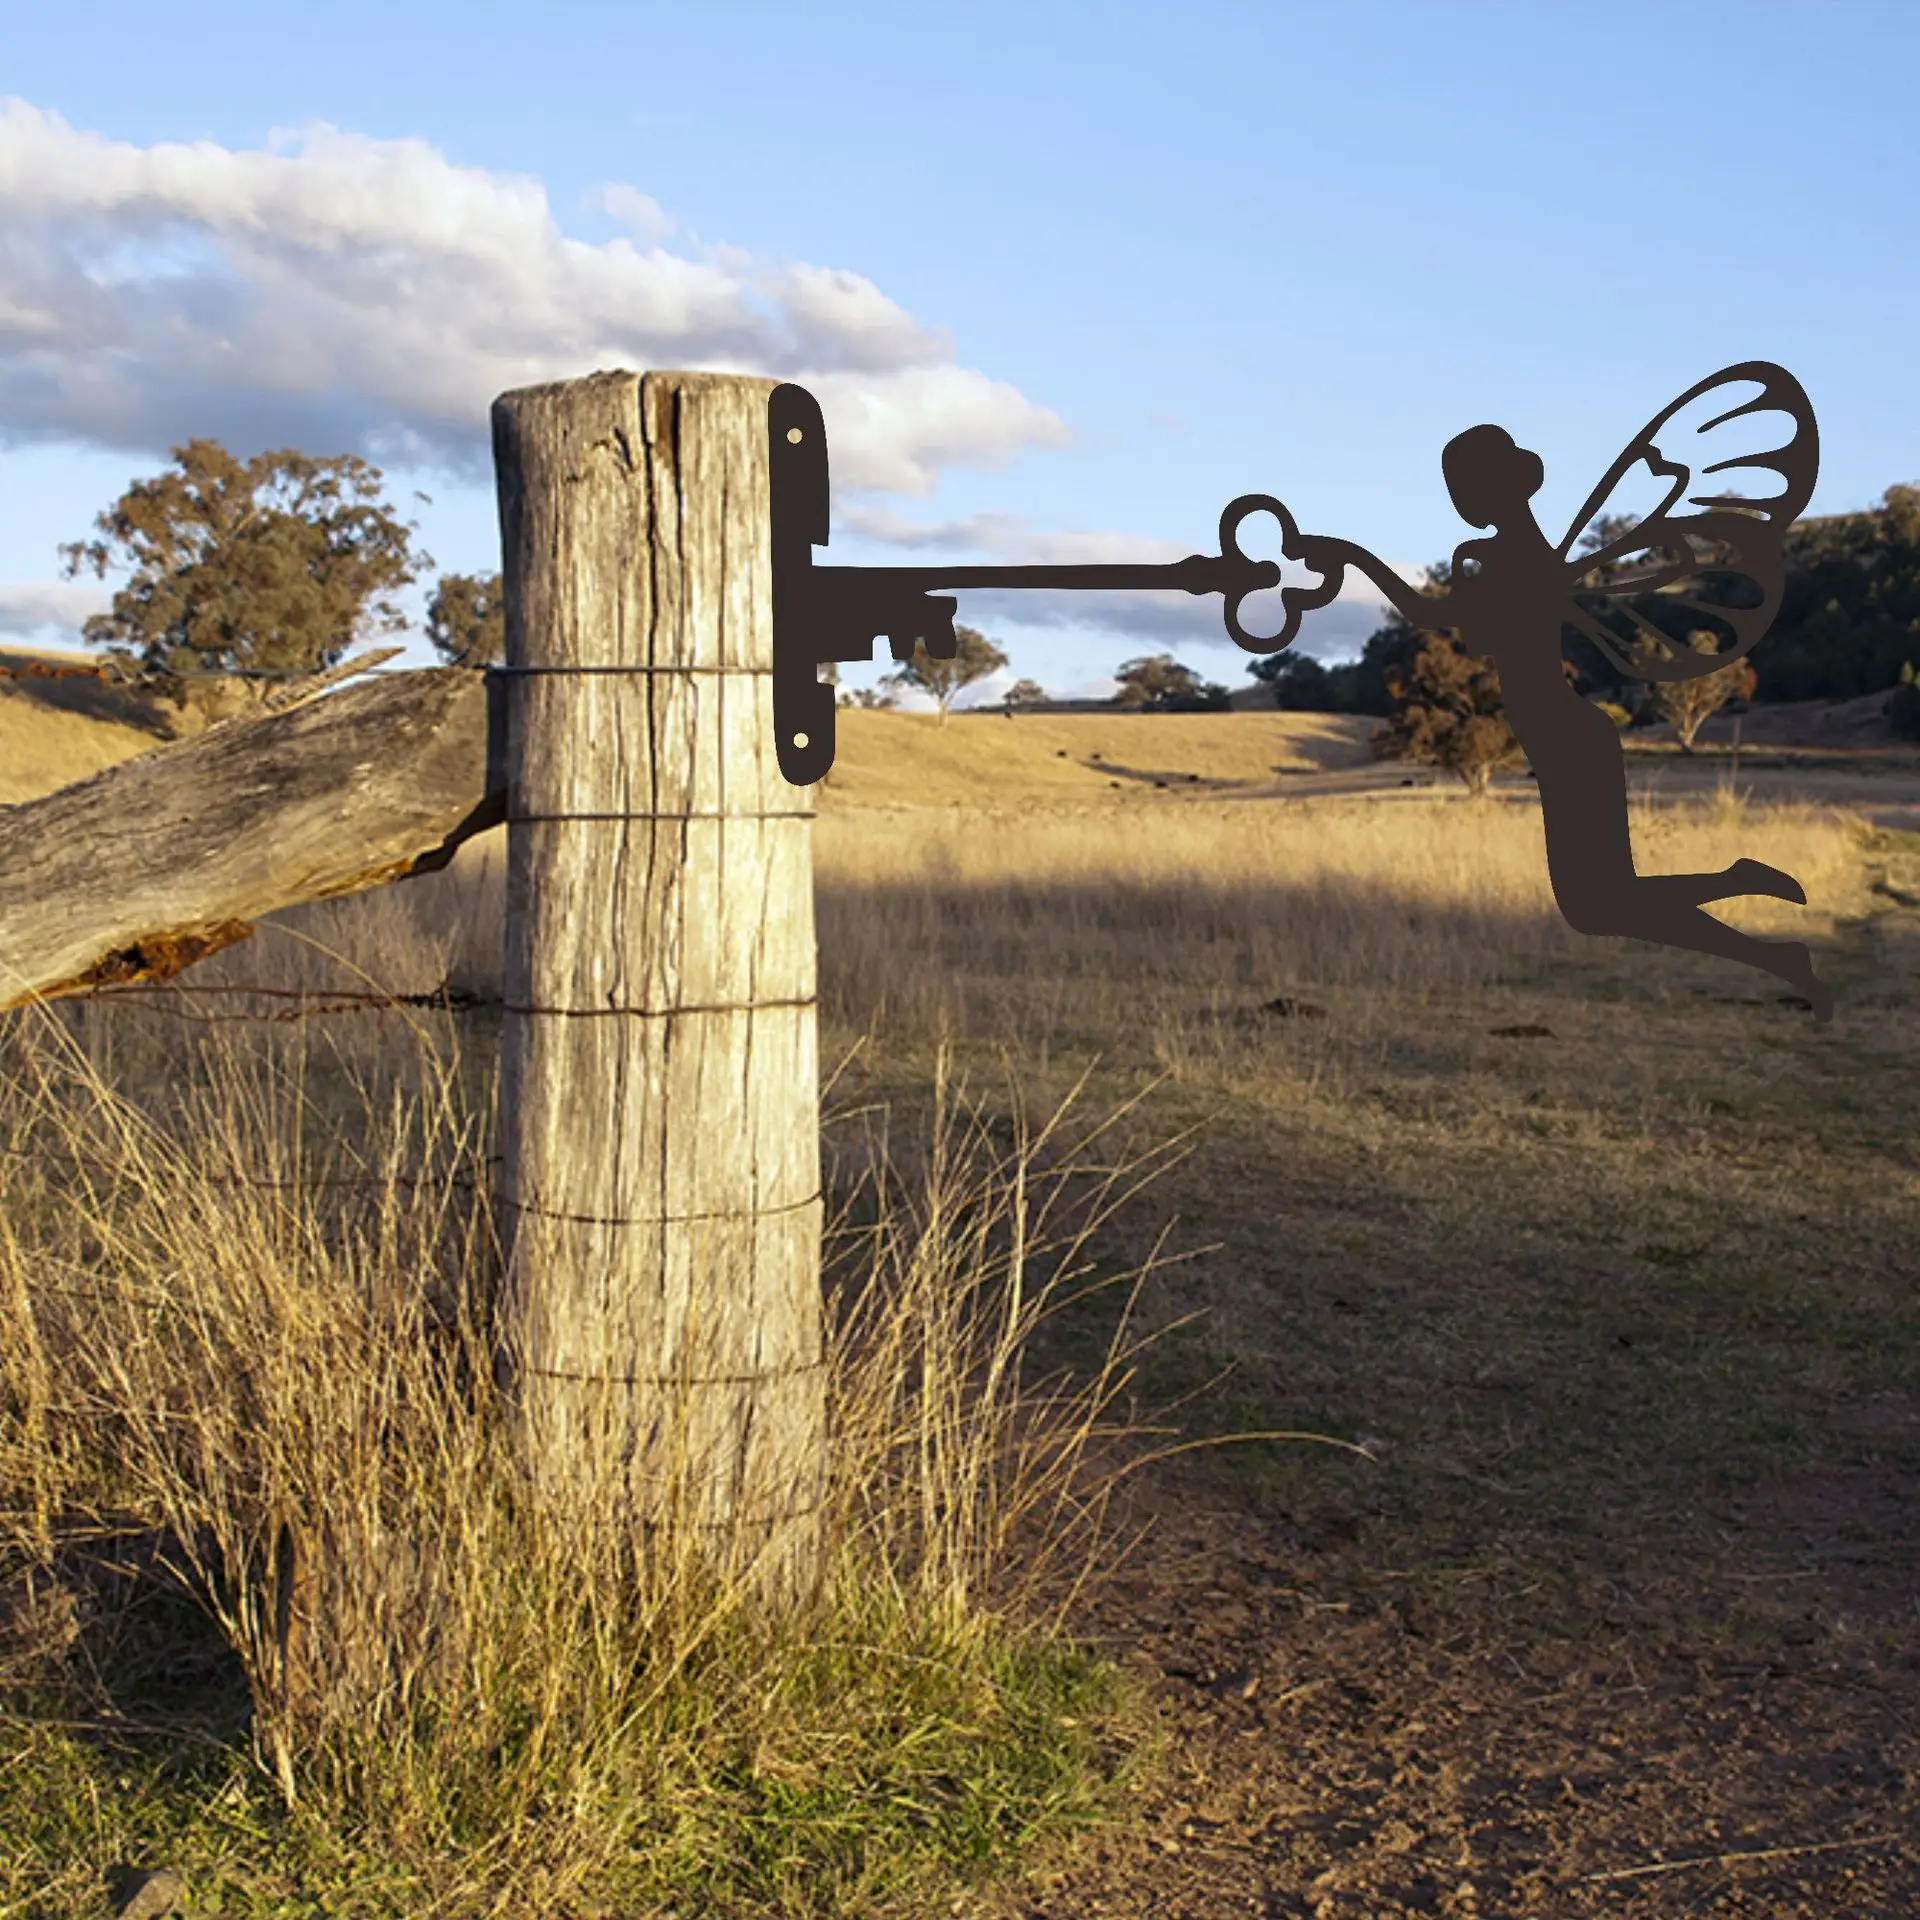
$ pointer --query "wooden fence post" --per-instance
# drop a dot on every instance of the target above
(659, 1086)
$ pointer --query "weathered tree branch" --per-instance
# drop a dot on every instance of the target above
(142, 870)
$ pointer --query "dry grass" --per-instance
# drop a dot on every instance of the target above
(1030, 924)
(245, 1292)
(1023, 924)
(1404, 1203)
(983, 759)
(46, 744)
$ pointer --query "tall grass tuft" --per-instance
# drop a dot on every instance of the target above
(246, 1340)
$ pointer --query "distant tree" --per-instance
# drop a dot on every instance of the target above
(974, 658)
(1448, 712)
(280, 562)
(1299, 682)
(1689, 704)
(1850, 610)
(1025, 693)
(1849, 619)
(467, 620)
(1900, 516)
(1903, 704)
(1352, 686)
(882, 696)
(1161, 684)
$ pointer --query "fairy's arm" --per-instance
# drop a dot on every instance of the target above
(1329, 557)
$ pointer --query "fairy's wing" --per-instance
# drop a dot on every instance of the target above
(1709, 556)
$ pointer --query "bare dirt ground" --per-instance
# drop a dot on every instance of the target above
(1622, 1618)
(1351, 1743)
(1620, 1612)
(1350, 1750)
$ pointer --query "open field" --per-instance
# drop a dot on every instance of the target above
(53, 732)
(1608, 1259)
(1597, 1262)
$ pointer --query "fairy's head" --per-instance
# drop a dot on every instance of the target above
(1490, 478)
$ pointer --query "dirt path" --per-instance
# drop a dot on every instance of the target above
(1350, 1745)
(1619, 1612)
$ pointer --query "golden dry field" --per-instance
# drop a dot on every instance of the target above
(53, 732)
(1576, 1279)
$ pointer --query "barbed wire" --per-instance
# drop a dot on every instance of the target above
(340, 1000)
(157, 679)
(111, 674)
(453, 1000)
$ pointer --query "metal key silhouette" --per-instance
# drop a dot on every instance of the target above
(837, 613)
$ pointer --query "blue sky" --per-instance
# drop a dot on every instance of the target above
(1067, 278)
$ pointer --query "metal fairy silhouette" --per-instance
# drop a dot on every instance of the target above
(1714, 565)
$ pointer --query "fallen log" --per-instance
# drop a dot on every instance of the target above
(155, 863)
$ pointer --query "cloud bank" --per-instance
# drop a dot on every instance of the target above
(39, 607)
(343, 293)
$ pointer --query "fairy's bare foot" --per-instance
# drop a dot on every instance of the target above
(1755, 876)
(1798, 973)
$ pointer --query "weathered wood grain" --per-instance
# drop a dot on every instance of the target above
(659, 1192)
(170, 856)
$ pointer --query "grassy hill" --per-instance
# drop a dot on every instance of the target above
(54, 732)
(981, 758)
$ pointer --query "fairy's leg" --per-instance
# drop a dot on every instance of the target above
(1590, 850)
(1599, 893)
(1675, 925)
(1583, 807)
(1742, 878)
(1648, 910)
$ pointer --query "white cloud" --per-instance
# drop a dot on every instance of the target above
(640, 213)
(894, 434)
(1008, 537)
(340, 292)
(31, 607)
